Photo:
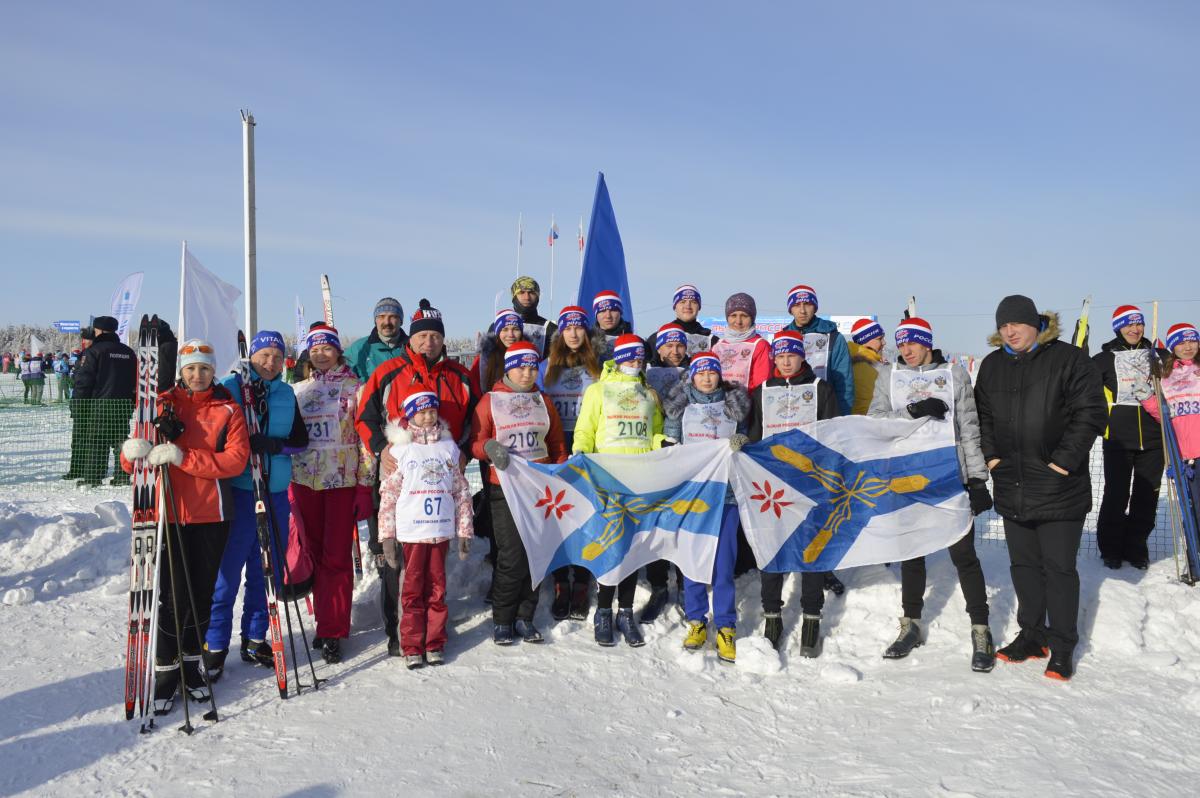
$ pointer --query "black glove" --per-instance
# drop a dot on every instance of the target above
(667, 442)
(928, 407)
(168, 425)
(977, 492)
(261, 444)
(496, 453)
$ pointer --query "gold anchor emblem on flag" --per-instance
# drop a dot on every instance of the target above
(617, 513)
(864, 489)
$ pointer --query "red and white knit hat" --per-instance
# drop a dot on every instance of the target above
(915, 330)
(1127, 315)
(865, 330)
(607, 300)
(1181, 333)
(801, 293)
(628, 348)
(522, 353)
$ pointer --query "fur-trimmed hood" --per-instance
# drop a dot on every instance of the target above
(398, 435)
(1050, 330)
(682, 393)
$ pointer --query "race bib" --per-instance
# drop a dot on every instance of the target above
(1182, 391)
(816, 353)
(910, 386)
(698, 342)
(567, 394)
(1133, 376)
(735, 360)
(521, 423)
(788, 407)
(628, 415)
(708, 422)
(661, 378)
(320, 407)
(425, 507)
(536, 335)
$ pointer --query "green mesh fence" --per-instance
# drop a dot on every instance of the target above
(77, 439)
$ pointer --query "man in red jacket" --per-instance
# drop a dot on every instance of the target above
(423, 361)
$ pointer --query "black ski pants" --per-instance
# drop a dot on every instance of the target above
(199, 558)
(970, 579)
(812, 592)
(659, 572)
(513, 596)
(1042, 557)
(623, 591)
(1121, 534)
(389, 577)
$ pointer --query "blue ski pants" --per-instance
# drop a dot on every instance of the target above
(724, 597)
(242, 552)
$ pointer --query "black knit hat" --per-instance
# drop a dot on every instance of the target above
(1017, 309)
(426, 318)
(105, 323)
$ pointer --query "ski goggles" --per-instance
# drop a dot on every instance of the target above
(188, 349)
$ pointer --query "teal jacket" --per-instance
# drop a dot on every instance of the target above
(366, 354)
(838, 369)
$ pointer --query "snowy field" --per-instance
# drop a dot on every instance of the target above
(570, 718)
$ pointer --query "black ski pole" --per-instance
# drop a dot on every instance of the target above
(187, 713)
(187, 578)
(287, 576)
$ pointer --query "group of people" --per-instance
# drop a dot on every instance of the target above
(382, 431)
(34, 369)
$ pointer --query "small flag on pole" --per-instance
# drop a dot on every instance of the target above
(553, 234)
(581, 234)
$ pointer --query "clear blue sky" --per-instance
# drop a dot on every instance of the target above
(955, 151)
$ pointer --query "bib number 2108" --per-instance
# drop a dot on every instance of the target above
(631, 429)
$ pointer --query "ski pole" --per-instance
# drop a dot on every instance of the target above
(287, 573)
(187, 577)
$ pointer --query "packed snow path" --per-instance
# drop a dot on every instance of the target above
(571, 718)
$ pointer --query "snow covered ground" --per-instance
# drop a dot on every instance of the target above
(570, 718)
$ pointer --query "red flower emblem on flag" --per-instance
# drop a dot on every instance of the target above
(769, 499)
(553, 503)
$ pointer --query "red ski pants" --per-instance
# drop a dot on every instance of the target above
(423, 598)
(327, 518)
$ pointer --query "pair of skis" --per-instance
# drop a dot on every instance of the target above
(1184, 520)
(254, 407)
(327, 300)
(146, 538)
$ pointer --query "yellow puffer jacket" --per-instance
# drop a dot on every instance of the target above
(865, 363)
(619, 415)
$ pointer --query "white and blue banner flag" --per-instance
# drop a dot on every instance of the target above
(851, 491)
(614, 513)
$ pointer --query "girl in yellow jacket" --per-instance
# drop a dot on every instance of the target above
(620, 414)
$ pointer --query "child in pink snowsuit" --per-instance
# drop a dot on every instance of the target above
(423, 503)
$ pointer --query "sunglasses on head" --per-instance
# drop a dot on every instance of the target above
(190, 348)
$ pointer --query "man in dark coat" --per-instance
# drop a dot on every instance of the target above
(105, 384)
(1041, 406)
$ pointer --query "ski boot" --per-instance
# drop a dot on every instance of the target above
(655, 605)
(833, 584)
(629, 628)
(214, 662)
(697, 636)
(193, 679)
(527, 631)
(414, 661)
(581, 600)
(257, 651)
(435, 658)
(983, 651)
(166, 686)
(773, 628)
(318, 643)
(502, 634)
(1061, 666)
(561, 608)
(810, 636)
(1022, 648)
(726, 644)
(332, 650)
(908, 639)
(604, 627)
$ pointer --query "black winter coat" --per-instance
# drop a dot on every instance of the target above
(1045, 406)
(1129, 426)
(106, 370)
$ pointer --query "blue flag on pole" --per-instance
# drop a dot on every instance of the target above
(604, 257)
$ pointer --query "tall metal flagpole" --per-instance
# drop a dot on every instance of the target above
(580, 246)
(251, 277)
(551, 240)
(520, 237)
(179, 328)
